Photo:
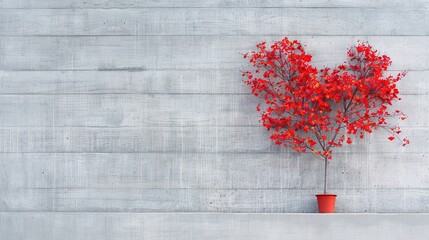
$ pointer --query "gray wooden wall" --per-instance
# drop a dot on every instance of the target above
(138, 106)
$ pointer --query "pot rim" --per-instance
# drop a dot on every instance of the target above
(327, 194)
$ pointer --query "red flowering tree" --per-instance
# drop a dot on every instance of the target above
(318, 110)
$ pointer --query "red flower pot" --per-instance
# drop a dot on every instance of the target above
(326, 202)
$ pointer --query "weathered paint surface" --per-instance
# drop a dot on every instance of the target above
(138, 106)
(195, 226)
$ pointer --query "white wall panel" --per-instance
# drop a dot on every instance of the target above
(139, 106)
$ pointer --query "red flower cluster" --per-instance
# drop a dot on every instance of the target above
(316, 110)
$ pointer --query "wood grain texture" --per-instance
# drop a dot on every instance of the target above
(139, 53)
(210, 200)
(211, 171)
(198, 81)
(196, 226)
(139, 106)
(177, 139)
(206, 21)
(97, 4)
(155, 110)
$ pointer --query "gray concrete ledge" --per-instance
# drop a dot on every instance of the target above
(192, 226)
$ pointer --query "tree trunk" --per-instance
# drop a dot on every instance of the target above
(326, 175)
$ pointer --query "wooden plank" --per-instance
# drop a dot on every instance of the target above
(199, 81)
(136, 110)
(128, 110)
(77, 4)
(196, 226)
(202, 52)
(208, 21)
(178, 140)
(212, 171)
(382, 200)
(210, 81)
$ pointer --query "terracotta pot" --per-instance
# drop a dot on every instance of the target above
(326, 202)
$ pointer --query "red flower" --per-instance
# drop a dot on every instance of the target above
(311, 109)
(349, 140)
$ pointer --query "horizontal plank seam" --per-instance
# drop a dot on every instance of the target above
(209, 35)
(214, 35)
(198, 152)
(214, 7)
(150, 69)
(205, 153)
(217, 213)
(86, 127)
(138, 126)
(208, 189)
(53, 93)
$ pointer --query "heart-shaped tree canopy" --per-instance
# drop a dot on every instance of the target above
(317, 110)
